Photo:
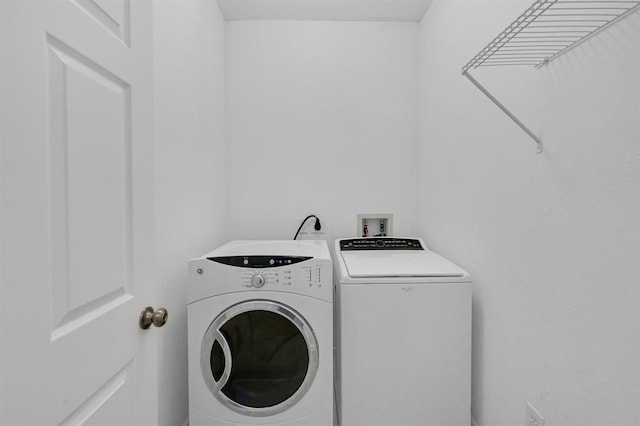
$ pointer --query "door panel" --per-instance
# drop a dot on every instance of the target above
(77, 213)
(90, 148)
(111, 404)
(112, 15)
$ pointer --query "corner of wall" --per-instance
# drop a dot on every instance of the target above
(190, 143)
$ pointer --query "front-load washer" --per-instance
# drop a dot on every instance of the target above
(260, 334)
(404, 335)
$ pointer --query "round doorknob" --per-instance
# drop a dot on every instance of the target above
(148, 316)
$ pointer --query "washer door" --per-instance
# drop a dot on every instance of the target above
(259, 357)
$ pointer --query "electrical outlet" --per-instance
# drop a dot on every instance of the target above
(534, 418)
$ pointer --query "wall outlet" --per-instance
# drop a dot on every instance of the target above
(375, 224)
(534, 418)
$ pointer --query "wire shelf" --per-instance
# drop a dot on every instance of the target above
(549, 28)
(546, 30)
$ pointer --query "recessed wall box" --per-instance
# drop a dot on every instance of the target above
(375, 225)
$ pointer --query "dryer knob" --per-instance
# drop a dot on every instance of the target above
(258, 281)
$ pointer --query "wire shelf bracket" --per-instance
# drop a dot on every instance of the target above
(505, 110)
(546, 30)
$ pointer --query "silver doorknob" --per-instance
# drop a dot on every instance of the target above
(157, 318)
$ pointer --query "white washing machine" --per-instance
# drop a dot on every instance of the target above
(260, 334)
(404, 335)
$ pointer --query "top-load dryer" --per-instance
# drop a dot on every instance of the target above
(260, 335)
(404, 335)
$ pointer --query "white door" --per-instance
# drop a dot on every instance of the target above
(77, 225)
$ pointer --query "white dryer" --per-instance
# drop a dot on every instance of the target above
(404, 335)
(260, 334)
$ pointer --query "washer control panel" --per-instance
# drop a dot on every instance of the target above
(353, 244)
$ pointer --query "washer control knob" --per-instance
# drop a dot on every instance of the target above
(258, 281)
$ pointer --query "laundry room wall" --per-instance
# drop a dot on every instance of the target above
(322, 120)
(191, 172)
(551, 240)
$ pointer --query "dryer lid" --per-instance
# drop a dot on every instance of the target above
(398, 263)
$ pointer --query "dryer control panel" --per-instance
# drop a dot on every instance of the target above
(304, 275)
(270, 271)
(263, 268)
(259, 261)
(309, 276)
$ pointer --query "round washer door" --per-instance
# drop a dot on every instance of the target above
(259, 357)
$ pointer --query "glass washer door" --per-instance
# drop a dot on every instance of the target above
(259, 357)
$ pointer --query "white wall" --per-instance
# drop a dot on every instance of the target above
(322, 119)
(191, 170)
(551, 240)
